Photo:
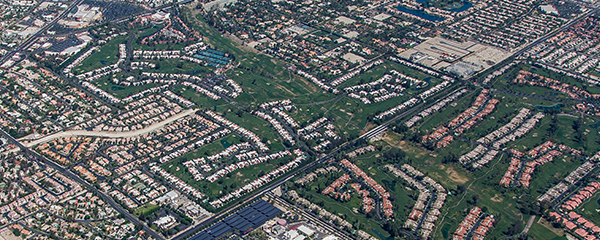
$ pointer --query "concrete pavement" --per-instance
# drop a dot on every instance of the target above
(75, 133)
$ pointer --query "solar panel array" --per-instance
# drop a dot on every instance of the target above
(252, 216)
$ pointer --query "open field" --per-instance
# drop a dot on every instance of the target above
(385, 68)
(120, 91)
(146, 209)
(200, 100)
(401, 195)
(350, 116)
(589, 209)
(539, 232)
(106, 55)
(259, 126)
(232, 181)
(258, 89)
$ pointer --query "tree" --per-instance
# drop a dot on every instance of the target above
(514, 229)
(553, 125)
(557, 224)
(474, 200)
(450, 158)
(401, 128)
(460, 189)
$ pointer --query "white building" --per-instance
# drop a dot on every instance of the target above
(166, 222)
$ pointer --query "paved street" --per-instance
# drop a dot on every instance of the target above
(76, 133)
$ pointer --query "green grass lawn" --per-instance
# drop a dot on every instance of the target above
(482, 183)
(349, 116)
(258, 126)
(370, 163)
(369, 225)
(146, 209)
(504, 81)
(499, 202)
(565, 134)
(121, 91)
(149, 30)
(227, 183)
(259, 89)
(447, 113)
(176, 66)
(262, 77)
(260, 64)
(591, 135)
(201, 100)
(505, 110)
(589, 207)
(540, 232)
(378, 72)
(106, 55)
(550, 174)
(533, 138)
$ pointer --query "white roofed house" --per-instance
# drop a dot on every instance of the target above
(166, 222)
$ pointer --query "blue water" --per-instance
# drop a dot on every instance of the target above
(557, 106)
(422, 14)
(116, 88)
(225, 143)
(465, 6)
(380, 236)
(596, 125)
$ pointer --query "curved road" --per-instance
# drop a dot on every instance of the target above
(143, 131)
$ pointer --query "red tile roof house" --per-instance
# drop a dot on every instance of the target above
(415, 214)
(582, 221)
(481, 230)
(569, 225)
(461, 231)
(573, 215)
(589, 225)
(590, 237)
(581, 232)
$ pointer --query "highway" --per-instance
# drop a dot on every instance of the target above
(314, 219)
(302, 170)
(33, 37)
(85, 184)
(26, 148)
(545, 37)
(231, 208)
(550, 34)
(253, 196)
(383, 127)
